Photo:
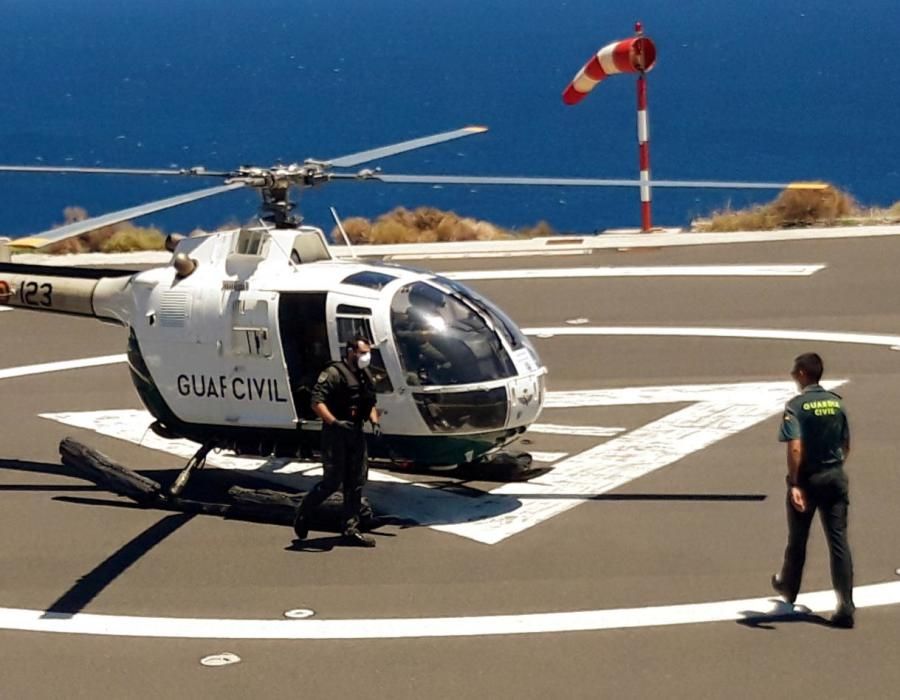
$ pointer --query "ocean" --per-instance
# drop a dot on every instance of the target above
(774, 90)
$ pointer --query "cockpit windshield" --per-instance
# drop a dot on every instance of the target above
(443, 340)
(501, 321)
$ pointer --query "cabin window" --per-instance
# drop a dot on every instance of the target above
(370, 279)
(250, 242)
(309, 247)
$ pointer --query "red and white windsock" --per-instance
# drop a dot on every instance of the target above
(635, 55)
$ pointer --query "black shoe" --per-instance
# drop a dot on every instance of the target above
(781, 589)
(843, 619)
(301, 528)
(354, 538)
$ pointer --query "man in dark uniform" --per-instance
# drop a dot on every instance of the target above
(344, 398)
(817, 434)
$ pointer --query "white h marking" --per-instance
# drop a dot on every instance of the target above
(717, 411)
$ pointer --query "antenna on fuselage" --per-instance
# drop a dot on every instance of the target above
(344, 235)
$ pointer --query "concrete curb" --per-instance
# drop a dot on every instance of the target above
(559, 245)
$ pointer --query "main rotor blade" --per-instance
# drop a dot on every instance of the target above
(394, 149)
(584, 182)
(65, 169)
(45, 238)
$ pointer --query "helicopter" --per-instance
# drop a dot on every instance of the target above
(226, 341)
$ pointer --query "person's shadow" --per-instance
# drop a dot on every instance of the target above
(327, 543)
(783, 613)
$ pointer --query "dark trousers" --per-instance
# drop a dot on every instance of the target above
(827, 493)
(344, 462)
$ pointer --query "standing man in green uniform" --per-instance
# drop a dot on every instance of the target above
(817, 434)
(344, 398)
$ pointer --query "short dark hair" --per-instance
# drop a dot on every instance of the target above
(811, 364)
(353, 343)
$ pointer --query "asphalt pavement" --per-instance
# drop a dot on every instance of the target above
(665, 494)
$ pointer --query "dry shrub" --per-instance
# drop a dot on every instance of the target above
(421, 225)
(71, 246)
(894, 210)
(117, 238)
(760, 218)
(359, 231)
(792, 207)
(488, 232)
(807, 207)
(425, 225)
(127, 238)
(388, 230)
(73, 214)
(540, 230)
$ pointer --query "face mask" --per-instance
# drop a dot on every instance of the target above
(364, 360)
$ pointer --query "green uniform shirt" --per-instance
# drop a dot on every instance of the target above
(816, 417)
(345, 401)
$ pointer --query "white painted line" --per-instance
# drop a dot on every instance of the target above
(580, 430)
(875, 595)
(717, 411)
(391, 494)
(5, 308)
(743, 392)
(659, 271)
(224, 659)
(61, 366)
(750, 333)
(547, 457)
(485, 254)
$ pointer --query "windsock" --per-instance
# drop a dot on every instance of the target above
(635, 55)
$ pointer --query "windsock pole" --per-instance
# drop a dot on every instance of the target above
(635, 55)
(643, 133)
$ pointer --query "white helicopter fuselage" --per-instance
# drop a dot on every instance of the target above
(227, 343)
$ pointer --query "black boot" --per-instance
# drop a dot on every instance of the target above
(781, 589)
(844, 617)
(301, 527)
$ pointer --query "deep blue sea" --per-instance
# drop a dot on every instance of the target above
(773, 90)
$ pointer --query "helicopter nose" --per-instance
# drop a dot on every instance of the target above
(526, 399)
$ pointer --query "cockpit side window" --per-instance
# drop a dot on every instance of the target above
(348, 328)
(443, 341)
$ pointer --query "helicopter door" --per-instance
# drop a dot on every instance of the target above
(304, 340)
(257, 382)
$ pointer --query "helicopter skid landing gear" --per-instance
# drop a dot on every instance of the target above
(503, 466)
(195, 462)
(241, 503)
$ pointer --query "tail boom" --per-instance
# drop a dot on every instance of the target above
(72, 291)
